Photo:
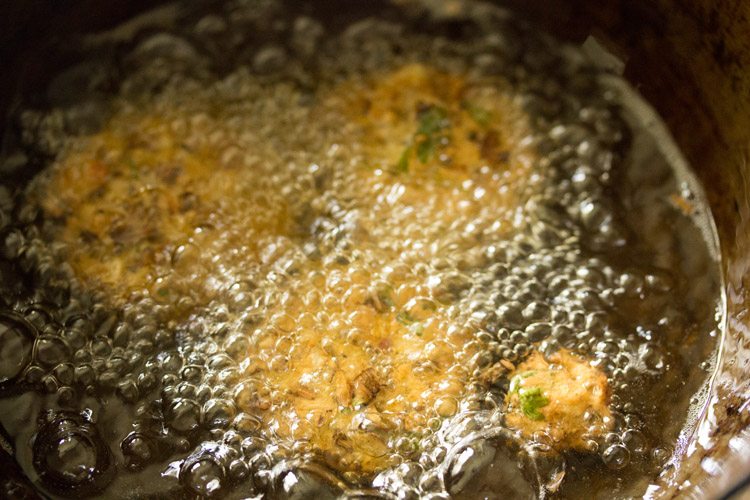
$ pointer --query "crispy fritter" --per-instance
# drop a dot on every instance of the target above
(134, 200)
(563, 397)
(349, 387)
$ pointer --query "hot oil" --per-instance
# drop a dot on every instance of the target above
(273, 255)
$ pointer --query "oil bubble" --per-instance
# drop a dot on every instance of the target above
(69, 454)
(183, 415)
(481, 467)
(307, 481)
(204, 471)
(49, 350)
(137, 449)
(16, 342)
(616, 456)
(203, 477)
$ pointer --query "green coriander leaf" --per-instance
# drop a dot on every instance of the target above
(479, 115)
(432, 120)
(532, 399)
(426, 149)
(515, 382)
(405, 318)
(385, 296)
(403, 162)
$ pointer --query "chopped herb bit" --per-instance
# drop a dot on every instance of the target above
(163, 292)
(479, 115)
(384, 297)
(417, 329)
(426, 149)
(403, 162)
(532, 399)
(356, 403)
(432, 120)
(515, 382)
(405, 318)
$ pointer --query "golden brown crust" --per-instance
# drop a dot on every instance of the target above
(561, 396)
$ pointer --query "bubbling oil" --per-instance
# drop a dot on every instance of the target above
(271, 255)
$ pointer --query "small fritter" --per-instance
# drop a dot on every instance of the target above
(374, 372)
(134, 202)
(562, 397)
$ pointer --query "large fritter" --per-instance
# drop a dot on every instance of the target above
(330, 233)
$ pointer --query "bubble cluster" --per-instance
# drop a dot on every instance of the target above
(16, 344)
(304, 261)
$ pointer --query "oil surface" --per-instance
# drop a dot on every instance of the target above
(271, 255)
